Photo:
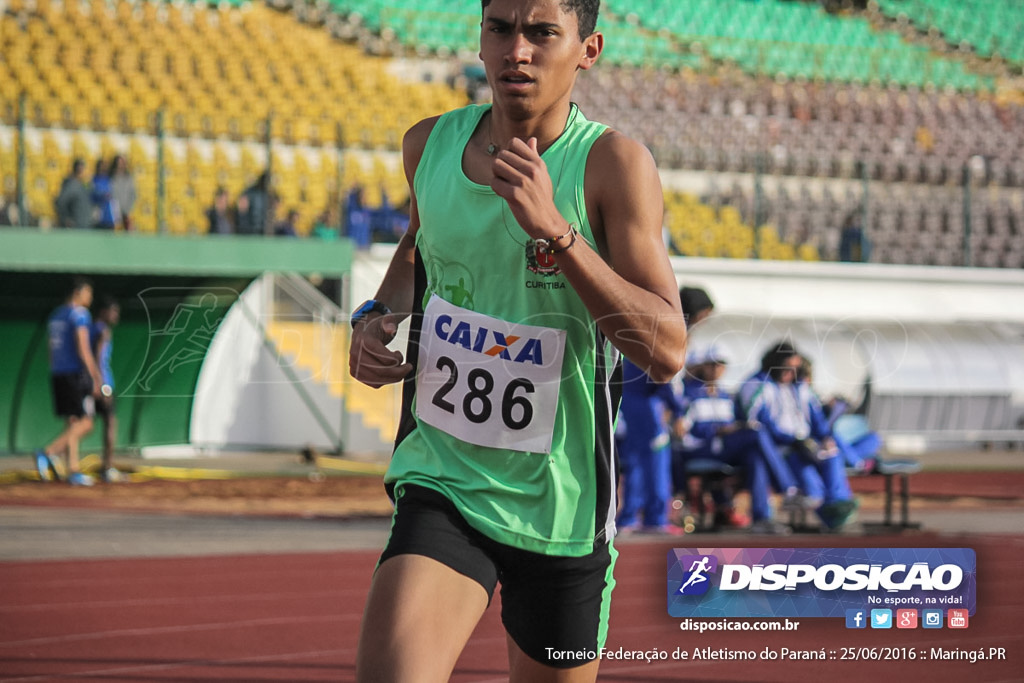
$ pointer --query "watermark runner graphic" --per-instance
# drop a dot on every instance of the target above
(182, 325)
(818, 582)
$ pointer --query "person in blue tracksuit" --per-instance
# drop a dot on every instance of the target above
(857, 443)
(645, 456)
(713, 431)
(776, 401)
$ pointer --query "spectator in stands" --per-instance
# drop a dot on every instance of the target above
(101, 341)
(772, 398)
(75, 381)
(218, 216)
(122, 185)
(357, 217)
(389, 223)
(854, 246)
(322, 227)
(9, 214)
(102, 194)
(73, 204)
(289, 227)
(254, 213)
(240, 209)
(713, 432)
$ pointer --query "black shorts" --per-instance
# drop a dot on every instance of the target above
(72, 395)
(550, 605)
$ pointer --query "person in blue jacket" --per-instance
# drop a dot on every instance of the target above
(645, 456)
(858, 444)
(713, 431)
(108, 214)
(75, 381)
(775, 400)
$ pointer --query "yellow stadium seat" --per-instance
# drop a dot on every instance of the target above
(216, 72)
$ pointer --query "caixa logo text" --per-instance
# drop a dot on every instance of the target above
(831, 577)
(489, 342)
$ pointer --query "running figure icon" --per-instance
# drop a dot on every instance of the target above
(697, 573)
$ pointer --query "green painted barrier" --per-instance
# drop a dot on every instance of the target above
(173, 293)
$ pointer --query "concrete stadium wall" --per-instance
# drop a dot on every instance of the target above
(246, 397)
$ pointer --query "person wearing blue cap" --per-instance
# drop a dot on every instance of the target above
(713, 431)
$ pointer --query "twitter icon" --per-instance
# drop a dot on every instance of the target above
(881, 618)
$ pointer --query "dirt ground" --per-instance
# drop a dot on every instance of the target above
(351, 496)
(331, 496)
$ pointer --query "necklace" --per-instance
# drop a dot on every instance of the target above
(504, 205)
(492, 148)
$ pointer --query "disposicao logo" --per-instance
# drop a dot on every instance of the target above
(697, 581)
(818, 582)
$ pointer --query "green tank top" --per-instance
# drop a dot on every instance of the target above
(511, 415)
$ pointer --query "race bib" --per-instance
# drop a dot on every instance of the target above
(487, 381)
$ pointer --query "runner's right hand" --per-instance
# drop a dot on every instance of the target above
(370, 360)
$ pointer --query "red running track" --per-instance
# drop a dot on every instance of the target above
(295, 618)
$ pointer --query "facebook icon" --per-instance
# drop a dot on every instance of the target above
(856, 618)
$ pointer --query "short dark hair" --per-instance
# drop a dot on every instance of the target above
(79, 283)
(586, 13)
(694, 300)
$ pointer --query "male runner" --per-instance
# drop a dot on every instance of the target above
(550, 226)
(75, 381)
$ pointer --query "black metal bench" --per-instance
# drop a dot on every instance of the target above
(890, 469)
(710, 474)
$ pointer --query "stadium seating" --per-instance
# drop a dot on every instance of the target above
(829, 101)
(916, 224)
(989, 27)
(441, 27)
(796, 39)
(792, 39)
(322, 352)
(218, 74)
(696, 228)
